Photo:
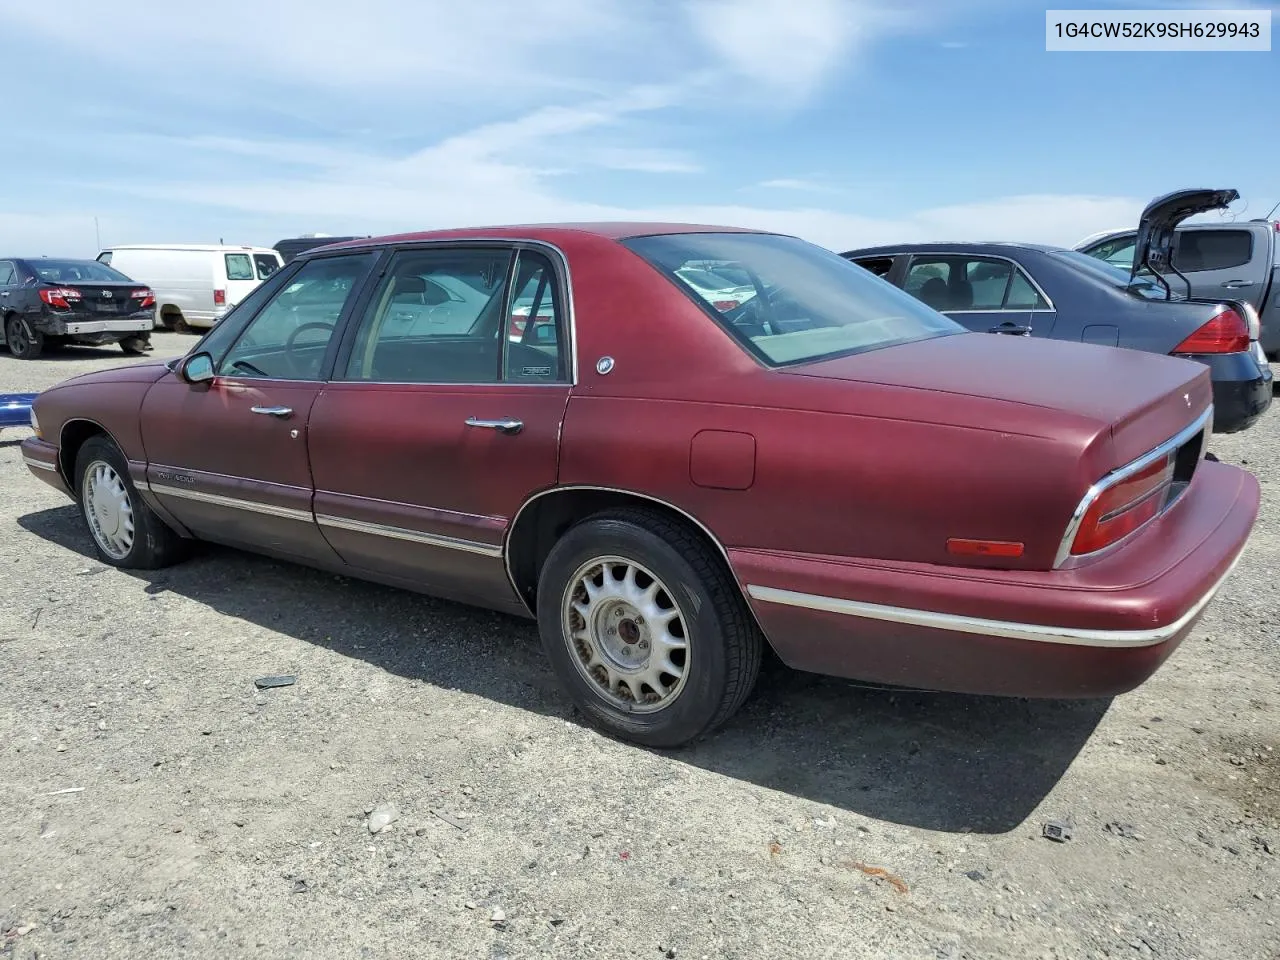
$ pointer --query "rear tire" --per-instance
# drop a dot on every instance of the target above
(24, 342)
(646, 628)
(125, 531)
(135, 346)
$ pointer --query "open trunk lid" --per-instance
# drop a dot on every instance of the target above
(1155, 241)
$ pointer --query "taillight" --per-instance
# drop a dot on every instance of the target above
(1123, 507)
(59, 296)
(1226, 332)
(146, 296)
(219, 298)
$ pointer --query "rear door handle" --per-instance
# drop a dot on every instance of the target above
(281, 412)
(1237, 284)
(1011, 328)
(507, 425)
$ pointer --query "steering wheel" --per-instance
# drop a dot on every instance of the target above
(315, 325)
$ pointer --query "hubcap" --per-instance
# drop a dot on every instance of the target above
(17, 336)
(108, 509)
(626, 633)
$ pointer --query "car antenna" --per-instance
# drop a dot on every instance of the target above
(1272, 210)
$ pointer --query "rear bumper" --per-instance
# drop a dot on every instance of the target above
(1095, 630)
(1241, 390)
(56, 326)
(41, 458)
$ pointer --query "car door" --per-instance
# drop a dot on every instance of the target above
(1224, 262)
(8, 288)
(434, 431)
(987, 294)
(228, 458)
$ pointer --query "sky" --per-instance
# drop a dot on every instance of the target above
(846, 122)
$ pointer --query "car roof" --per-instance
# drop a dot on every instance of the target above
(993, 247)
(213, 247)
(547, 232)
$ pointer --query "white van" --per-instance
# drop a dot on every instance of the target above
(195, 284)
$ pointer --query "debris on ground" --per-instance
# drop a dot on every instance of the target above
(451, 821)
(1059, 831)
(975, 875)
(879, 873)
(263, 683)
(382, 816)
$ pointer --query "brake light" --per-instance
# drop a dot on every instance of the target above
(1226, 332)
(59, 296)
(146, 296)
(1122, 508)
(219, 298)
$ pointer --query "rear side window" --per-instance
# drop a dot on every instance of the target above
(265, 263)
(880, 266)
(802, 303)
(239, 266)
(6, 273)
(957, 283)
(1200, 250)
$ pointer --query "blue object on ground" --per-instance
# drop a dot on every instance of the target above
(15, 409)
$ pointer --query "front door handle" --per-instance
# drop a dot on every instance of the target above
(281, 412)
(507, 425)
(1238, 284)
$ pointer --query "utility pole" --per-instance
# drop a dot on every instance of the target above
(97, 237)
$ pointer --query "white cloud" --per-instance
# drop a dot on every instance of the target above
(790, 45)
(791, 183)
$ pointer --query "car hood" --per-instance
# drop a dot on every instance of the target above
(1144, 398)
(1154, 249)
(148, 372)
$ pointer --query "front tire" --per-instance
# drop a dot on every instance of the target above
(24, 342)
(125, 531)
(646, 628)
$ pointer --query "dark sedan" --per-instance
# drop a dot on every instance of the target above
(47, 301)
(1044, 291)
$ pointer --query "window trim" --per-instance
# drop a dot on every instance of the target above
(559, 266)
(911, 258)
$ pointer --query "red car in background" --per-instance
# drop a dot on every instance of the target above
(830, 467)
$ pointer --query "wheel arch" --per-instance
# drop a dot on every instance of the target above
(544, 517)
(74, 434)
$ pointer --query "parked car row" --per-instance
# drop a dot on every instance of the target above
(1041, 291)
(667, 478)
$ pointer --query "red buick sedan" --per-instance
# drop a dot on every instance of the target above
(667, 481)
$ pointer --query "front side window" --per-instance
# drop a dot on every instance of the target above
(266, 265)
(288, 338)
(807, 302)
(961, 283)
(239, 266)
(435, 318)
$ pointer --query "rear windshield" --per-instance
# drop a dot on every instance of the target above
(76, 271)
(266, 263)
(799, 302)
(1113, 276)
(239, 266)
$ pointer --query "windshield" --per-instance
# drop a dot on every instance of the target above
(806, 302)
(1115, 276)
(76, 271)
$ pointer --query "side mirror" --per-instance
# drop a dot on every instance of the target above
(197, 368)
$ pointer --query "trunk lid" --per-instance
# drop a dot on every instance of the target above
(99, 300)
(1143, 398)
(1155, 241)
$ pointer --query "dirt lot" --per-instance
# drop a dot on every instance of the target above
(154, 804)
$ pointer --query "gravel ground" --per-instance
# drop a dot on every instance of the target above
(154, 804)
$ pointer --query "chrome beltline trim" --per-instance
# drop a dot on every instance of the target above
(413, 536)
(956, 623)
(235, 503)
(39, 464)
